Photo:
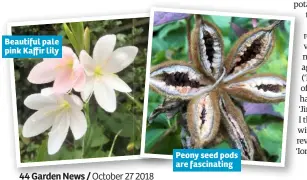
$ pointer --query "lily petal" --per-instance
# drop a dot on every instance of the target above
(120, 59)
(67, 52)
(38, 122)
(265, 88)
(104, 48)
(88, 63)
(80, 83)
(79, 78)
(116, 83)
(88, 88)
(37, 101)
(67, 55)
(43, 72)
(203, 119)
(63, 81)
(78, 124)
(105, 96)
(58, 133)
(47, 91)
(74, 101)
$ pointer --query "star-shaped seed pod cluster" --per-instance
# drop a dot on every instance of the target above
(206, 91)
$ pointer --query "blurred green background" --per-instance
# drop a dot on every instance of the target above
(170, 43)
(127, 116)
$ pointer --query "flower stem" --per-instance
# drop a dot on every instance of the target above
(113, 143)
(138, 103)
(87, 113)
(86, 108)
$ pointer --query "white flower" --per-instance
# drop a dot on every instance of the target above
(59, 111)
(100, 70)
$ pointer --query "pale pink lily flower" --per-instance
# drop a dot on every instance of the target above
(57, 112)
(101, 78)
(66, 72)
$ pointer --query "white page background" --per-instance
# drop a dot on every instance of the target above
(13, 10)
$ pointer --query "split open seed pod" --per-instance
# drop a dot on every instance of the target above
(265, 88)
(250, 51)
(203, 119)
(207, 48)
(236, 127)
(177, 79)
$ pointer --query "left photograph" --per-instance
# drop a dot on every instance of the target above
(88, 105)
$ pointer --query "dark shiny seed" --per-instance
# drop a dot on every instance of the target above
(179, 79)
(270, 87)
(249, 54)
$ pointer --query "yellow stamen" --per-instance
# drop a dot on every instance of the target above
(70, 64)
(98, 71)
(64, 106)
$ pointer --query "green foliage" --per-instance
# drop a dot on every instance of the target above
(104, 126)
(170, 43)
(72, 39)
(269, 130)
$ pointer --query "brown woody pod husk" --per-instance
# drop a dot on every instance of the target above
(264, 88)
(203, 119)
(207, 48)
(178, 80)
(250, 51)
(237, 129)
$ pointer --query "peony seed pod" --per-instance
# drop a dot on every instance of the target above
(203, 119)
(207, 48)
(249, 52)
(258, 88)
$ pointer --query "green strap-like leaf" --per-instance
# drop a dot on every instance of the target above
(87, 39)
(77, 29)
(72, 38)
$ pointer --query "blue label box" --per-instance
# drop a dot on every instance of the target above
(185, 160)
(31, 46)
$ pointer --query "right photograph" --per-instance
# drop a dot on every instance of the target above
(218, 81)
